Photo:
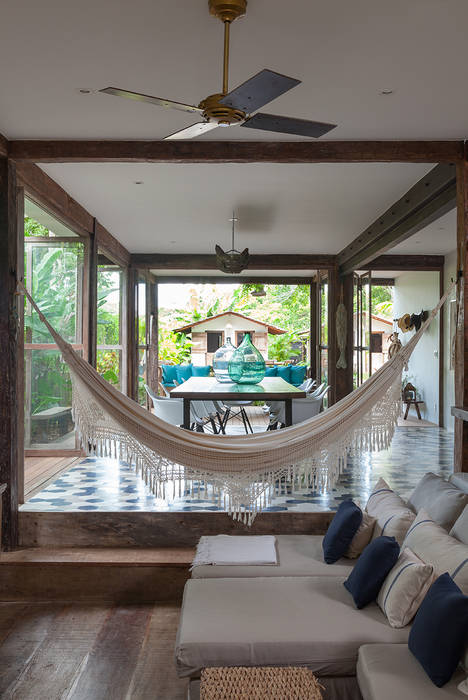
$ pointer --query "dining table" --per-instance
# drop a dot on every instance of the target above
(209, 389)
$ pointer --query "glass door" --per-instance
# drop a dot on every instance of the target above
(362, 325)
(54, 278)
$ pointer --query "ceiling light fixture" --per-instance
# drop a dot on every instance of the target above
(233, 261)
(387, 91)
(138, 182)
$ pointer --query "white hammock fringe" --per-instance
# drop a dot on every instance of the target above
(241, 474)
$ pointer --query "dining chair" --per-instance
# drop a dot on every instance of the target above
(172, 411)
(302, 409)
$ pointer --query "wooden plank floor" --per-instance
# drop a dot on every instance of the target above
(40, 471)
(82, 652)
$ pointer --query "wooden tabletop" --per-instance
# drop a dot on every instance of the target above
(206, 388)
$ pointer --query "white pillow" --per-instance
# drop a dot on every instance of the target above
(460, 480)
(390, 511)
(404, 588)
(431, 543)
(442, 500)
(362, 537)
(460, 528)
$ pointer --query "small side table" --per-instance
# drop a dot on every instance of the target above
(409, 403)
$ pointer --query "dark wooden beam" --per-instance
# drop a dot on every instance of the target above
(236, 151)
(9, 347)
(231, 279)
(153, 350)
(429, 199)
(197, 261)
(111, 246)
(461, 345)
(3, 147)
(407, 262)
(91, 282)
(47, 193)
(132, 336)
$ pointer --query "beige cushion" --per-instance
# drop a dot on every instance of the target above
(404, 588)
(362, 537)
(393, 517)
(298, 555)
(460, 480)
(276, 621)
(391, 672)
(441, 499)
(431, 543)
(460, 527)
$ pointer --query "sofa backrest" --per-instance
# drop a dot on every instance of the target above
(442, 500)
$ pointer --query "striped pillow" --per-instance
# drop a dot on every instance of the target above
(431, 543)
(404, 588)
(390, 511)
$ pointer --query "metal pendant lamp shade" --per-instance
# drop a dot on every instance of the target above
(233, 261)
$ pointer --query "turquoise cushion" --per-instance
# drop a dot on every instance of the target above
(184, 372)
(169, 373)
(203, 371)
(271, 371)
(285, 373)
(298, 374)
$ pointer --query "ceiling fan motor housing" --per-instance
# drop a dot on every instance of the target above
(215, 111)
(227, 10)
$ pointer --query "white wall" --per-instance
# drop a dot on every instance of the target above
(415, 291)
(449, 374)
(236, 323)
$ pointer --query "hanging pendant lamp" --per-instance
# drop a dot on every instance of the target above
(233, 261)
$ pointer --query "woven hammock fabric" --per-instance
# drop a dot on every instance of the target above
(241, 472)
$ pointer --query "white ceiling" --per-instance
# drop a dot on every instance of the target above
(439, 238)
(307, 208)
(344, 52)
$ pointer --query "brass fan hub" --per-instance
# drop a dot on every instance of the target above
(215, 111)
(227, 10)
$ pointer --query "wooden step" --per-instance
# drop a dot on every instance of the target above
(121, 575)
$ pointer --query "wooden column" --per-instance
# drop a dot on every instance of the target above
(313, 329)
(91, 282)
(153, 353)
(344, 377)
(461, 351)
(10, 397)
(132, 336)
(333, 299)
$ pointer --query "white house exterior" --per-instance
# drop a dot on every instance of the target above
(210, 333)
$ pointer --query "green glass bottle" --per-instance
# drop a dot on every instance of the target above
(247, 365)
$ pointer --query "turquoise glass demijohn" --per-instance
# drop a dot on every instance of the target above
(247, 365)
(221, 360)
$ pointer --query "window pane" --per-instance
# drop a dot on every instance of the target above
(324, 312)
(48, 400)
(109, 307)
(141, 311)
(142, 376)
(54, 274)
(108, 365)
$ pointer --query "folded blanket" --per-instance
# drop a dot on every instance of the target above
(226, 550)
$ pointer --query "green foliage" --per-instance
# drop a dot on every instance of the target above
(174, 348)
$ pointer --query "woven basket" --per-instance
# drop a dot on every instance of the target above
(262, 683)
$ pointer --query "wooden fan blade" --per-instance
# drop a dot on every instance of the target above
(258, 91)
(287, 125)
(191, 131)
(158, 101)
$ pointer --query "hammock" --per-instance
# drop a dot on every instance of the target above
(240, 472)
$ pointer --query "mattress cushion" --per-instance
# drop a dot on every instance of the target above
(298, 555)
(276, 621)
(389, 671)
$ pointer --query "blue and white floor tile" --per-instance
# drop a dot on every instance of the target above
(100, 484)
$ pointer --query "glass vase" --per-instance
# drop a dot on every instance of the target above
(221, 360)
(247, 365)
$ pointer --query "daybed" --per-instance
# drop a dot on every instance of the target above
(273, 615)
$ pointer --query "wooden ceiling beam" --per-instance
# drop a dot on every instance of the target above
(407, 263)
(429, 199)
(43, 151)
(111, 246)
(48, 194)
(231, 279)
(196, 261)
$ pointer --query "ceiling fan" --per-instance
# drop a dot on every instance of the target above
(236, 107)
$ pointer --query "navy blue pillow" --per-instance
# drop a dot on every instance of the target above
(439, 630)
(341, 531)
(371, 569)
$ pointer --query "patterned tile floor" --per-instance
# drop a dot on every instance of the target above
(105, 484)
